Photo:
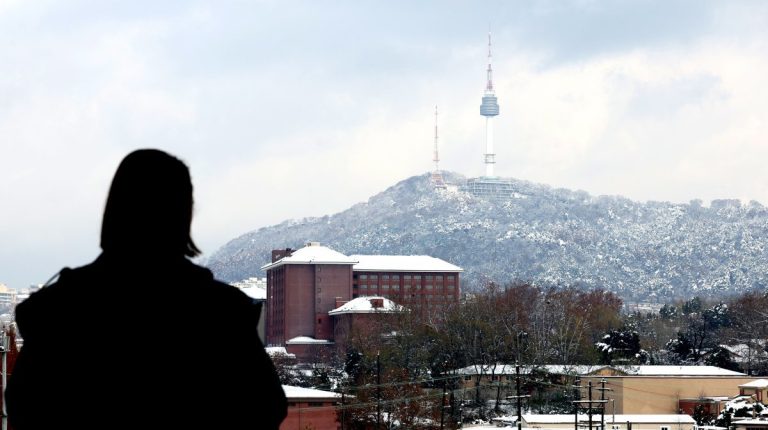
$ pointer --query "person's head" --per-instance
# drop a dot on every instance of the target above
(149, 207)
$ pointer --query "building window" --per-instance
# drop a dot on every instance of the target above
(451, 287)
(428, 286)
(385, 287)
(406, 276)
(374, 276)
(468, 378)
(407, 287)
(428, 277)
(416, 276)
(664, 428)
(615, 427)
(363, 276)
(315, 404)
(396, 277)
(363, 287)
(449, 278)
(439, 277)
(384, 276)
(395, 287)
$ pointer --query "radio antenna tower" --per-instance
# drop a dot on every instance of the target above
(489, 109)
(437, 177)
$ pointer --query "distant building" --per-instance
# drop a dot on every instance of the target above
(758, 389)
(412, 281)
(367, 314)
(490, 188)
(7, 296)
(304, 286)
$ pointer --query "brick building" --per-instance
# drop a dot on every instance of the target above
(305, 285)
(311, 409)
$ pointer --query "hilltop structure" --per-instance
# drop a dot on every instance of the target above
(311, 292)
(489, 186)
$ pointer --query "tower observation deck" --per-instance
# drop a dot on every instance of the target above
(489, 109)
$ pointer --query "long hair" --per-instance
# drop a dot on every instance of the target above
(149, 207)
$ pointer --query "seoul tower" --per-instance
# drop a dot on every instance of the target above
(489, 109)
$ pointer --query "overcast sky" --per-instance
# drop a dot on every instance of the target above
(287, 109)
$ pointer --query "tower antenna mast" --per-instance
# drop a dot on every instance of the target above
(437, 176)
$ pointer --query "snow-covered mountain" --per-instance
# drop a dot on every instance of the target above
(547, 236)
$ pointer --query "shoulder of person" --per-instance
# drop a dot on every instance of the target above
(206, 276)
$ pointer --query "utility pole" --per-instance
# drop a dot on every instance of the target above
(518, 397)
(378, 392)
(602, 390)
(4, 351)
(589, 405)
(589, 410)
(442, 407)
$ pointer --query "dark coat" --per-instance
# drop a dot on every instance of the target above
(142, 345)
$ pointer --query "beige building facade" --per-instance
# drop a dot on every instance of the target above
(662, 394)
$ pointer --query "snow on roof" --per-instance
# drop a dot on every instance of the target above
(306, 339)
(402, 263)
(364, 305)
(619, 418)
(292, 392)
(312, 254)
(277, 350)
(676, 371)
(509, 369)
(565, 369)
(752, 421)
(757, 383)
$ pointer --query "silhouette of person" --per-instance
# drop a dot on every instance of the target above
(142, 338)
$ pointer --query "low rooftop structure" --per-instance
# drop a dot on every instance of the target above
(311, 408)
(313, 253)
(367, 305)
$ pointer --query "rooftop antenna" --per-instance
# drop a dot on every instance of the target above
(437, 176)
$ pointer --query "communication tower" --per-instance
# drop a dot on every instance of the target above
(489, 109)
(490, 186)
(437, 176)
